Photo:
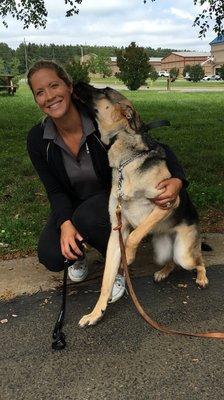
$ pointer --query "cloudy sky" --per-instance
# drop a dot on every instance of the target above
(164, 23)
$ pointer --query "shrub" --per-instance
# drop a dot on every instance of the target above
(196, 73)
(78, 72)
(134, 66)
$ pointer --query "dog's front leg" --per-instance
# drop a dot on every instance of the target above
(113, 259)
(135, 237)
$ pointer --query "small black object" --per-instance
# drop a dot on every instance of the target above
(59, 342)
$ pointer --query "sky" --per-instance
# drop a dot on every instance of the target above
(163, 23)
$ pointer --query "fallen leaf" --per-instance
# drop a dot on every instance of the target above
(182, 285)
(3, 321)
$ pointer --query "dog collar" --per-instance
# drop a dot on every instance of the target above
(120, 171)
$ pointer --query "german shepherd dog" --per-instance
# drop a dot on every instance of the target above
(138, 165)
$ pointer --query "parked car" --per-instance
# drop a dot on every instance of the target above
(164, 73)
(211, 78)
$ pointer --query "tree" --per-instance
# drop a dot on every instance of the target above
(134, 66)
(153, 74)
(221, 72)
(78, 72)
(100, 64)
(213, 11)
(196, 73)
(174, 72)
(32, 12)
(35, 13)
(186, 70)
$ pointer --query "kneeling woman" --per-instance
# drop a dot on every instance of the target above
(72, 163)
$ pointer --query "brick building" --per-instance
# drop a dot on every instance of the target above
(181, 58)
(217, 53)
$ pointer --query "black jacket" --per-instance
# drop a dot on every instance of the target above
(47, 160)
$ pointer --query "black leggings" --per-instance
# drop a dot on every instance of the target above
(90, 218)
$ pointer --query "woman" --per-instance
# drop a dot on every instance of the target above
(72, 163)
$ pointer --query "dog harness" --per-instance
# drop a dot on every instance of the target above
(120, 171)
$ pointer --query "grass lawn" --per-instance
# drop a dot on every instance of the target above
(161, 83)
(196, 135)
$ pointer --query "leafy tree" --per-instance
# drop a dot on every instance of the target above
(78, 72)
(2, 67)
(221, 72)
(174, 72)
(14, 66)
(213, 10)
(196, 73)
(153, 74)
(100, 64)
(35, 13)
(134, 66)
(186, 70)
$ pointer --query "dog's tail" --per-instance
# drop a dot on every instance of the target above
(206, 247)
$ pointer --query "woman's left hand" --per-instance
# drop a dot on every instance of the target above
(171, 189)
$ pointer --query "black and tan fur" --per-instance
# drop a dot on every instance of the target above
(175, 232)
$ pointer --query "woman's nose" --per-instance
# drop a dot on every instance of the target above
(48, 94)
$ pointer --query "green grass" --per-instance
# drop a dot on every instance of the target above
(161, 83)
(196, 135)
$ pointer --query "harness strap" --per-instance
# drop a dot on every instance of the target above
(144, 315)
(155, 124)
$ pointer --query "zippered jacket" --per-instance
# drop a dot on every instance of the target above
(47, 160)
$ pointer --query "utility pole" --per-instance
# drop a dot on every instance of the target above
(81, 60)
(25, 54)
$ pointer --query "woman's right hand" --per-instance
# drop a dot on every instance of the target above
(67, 241)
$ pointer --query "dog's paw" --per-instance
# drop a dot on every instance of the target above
(91, 319)
(202, 282)
(160, 276)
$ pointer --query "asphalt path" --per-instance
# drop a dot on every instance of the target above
(121, 357)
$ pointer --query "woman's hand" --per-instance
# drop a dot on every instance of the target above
(171, 189)
(67, 241)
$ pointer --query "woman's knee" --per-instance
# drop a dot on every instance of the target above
(50, 258)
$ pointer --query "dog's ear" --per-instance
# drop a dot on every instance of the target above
(131, 115)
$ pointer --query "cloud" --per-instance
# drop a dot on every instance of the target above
(115, 23)
(183, 14)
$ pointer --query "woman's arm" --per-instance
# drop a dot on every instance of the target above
(173, 185)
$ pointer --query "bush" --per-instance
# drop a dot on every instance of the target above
(221, 72)
(134, 66)
(174, 72)
(186, 70)
(78, 72)
(196, 73)
(153, 74)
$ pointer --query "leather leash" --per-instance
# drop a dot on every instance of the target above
(144, 315)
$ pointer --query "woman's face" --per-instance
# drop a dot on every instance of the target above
(51, 93)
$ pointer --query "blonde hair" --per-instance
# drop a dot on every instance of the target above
(40, 64)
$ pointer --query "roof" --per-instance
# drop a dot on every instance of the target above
(155, 59)
(191, 54)
(218, 39)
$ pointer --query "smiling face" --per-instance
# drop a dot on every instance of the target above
(51, 93)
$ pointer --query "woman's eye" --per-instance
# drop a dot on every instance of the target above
(54, 85)
(39, 93)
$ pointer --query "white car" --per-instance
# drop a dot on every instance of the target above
(164, 73)
(211, 78)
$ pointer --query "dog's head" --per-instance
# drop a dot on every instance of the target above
(112, 110)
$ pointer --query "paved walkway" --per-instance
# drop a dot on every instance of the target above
(27, 276)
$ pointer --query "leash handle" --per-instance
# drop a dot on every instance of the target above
(144, 315)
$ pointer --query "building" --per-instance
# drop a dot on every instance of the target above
(180, 59)
(217, 53)
(156, 63)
